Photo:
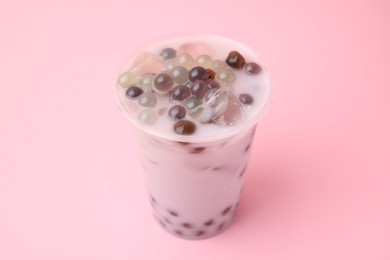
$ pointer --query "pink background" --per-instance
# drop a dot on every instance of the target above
(318, 185)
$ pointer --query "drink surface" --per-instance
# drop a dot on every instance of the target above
(194, 88)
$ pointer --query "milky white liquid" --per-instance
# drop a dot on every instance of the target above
(195, 181)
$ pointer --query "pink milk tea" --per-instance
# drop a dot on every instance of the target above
(195, 102)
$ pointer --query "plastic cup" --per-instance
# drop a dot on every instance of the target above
(195, 182)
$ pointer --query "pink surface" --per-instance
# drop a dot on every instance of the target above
(318, 182)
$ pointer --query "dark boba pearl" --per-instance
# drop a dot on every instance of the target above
(199, 88)
(211, 74)
(245, 99)
(163, 83)
(252, 68)
(177, 112)
(192, 103)
(213, 84)
(184, 127)
(235, 60)
(168, 53)
(180, 93)
(198, 73)
(134, 92)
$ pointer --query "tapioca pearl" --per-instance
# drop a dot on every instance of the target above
(147, 99)
(200, 233)
(180, 93)
(221, 226)
(162, 223)
(219, 65)
(134, 92)
(198, 149)
(173, 213)
(187, 225)
(205, 61)
(226, 76)
(127, 79)
(180, 74)
(169, 65)
(168, 53)
(245, 99)
(184, 127)
(226, 211)
(177, 112)
(179, 232)
(146, 81)
(185, 60)
(147, 116)
(192, 102)
(213, 84)
(209, 94)
(209, 223)
(247, 148)
(235, 60)
(198, 73)
(252, 68)
(163, 82)
(188, 84)
(199, 88)
(211, 73)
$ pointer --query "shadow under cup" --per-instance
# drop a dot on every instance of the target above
(195, 188)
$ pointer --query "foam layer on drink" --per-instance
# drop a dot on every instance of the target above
(194, 89)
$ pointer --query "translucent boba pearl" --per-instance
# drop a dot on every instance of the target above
(226, 76)
(199, 88)
(205, 61)
(180, 74)
(192, 102)
(180, 93)
(127, 79)
(163, 83)
(177, 112)
(198, 73)
(185, 60)
(146, 81)
(147, 116)
(210, 94)
(148, 99)
(168, 53)
(219, 65)
(169, 64)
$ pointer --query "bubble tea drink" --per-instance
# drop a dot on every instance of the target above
(195, 102)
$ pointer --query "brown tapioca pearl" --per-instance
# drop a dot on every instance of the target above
(198, 149)
(242, 172)
(168, 53)
(221, 226)
(173, 213)
(252, 68)
(187, 225)
(180, 233)
(183, 143)
(209, 223)
(199, 88)
(184, 127)
(211, 73)
(198, 73)
(226, 211)
(213, 84)
(247, 148)
(163, 83)
(200, 233)
(235, 60)
(162, 223)
(245, 99)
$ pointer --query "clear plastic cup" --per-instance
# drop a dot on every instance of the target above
(194, 181)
